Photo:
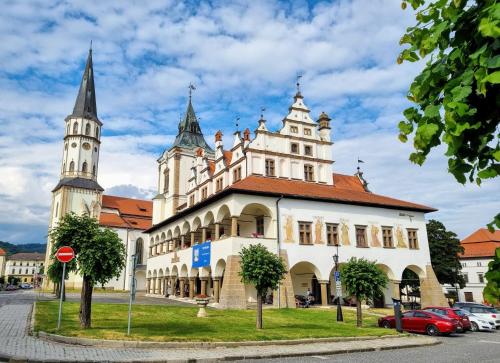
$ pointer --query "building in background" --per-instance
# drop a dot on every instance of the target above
(24, 266)
(479, 250)
(3, 260)
(79, 192)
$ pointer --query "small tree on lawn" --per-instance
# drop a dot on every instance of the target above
(264, 270)
(100, 255)
(492, 290)
(362, 279)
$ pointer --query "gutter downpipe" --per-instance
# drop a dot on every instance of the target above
(278, 237)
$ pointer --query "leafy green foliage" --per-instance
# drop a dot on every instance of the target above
(364, 280)
(457, 95)
(491, 292)
(261, 268)
(100, 254)
(445, 248)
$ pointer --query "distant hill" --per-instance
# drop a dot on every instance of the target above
(29, 247)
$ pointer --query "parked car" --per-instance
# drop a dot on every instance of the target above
(25, 285)
(420, 321)
(480, 324)
(483, 311)
(11, 288)
(453, 313)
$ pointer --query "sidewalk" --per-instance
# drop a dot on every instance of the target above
(18, 346)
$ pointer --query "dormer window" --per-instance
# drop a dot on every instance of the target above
(219, 183)
(307, 132)
(294, 148)
(191, 200)
(294, 129)
(236, 174)
(270, 167)
(204, 193)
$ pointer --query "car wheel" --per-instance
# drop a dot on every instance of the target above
(386, 325)
(474, 326)
(432, 330)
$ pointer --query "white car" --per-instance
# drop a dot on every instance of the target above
(480, 324)
(484, 312)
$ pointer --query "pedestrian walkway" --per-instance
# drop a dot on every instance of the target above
(18, 345)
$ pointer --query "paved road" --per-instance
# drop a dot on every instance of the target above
(481, 347)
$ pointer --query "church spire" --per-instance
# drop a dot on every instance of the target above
(85, 104)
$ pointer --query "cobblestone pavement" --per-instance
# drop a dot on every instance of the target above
(16, 343)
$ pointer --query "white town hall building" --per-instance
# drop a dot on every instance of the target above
(275, 188)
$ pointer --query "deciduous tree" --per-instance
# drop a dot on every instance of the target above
(362, 279)
(264, 270)
(457, 95)
(100, 255)
(492, 290)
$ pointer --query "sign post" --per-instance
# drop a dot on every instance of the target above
(64, 254)
(132, 291)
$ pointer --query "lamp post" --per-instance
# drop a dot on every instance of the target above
(340, 317)
(455, 274)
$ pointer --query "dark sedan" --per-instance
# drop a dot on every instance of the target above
(418, 321)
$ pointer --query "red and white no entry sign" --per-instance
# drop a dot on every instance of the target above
(65, 254)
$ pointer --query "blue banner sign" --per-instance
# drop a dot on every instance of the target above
(337, 276)
(201, 254)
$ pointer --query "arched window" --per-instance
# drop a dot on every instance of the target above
(93, 170)
(75, 128)
(97, 132)
(64, 168)
(72, 166)
(87, 129)
(65, 146)
(57, 209)
(84, 167)
(166, 181)
(67, 129)
(139, 246)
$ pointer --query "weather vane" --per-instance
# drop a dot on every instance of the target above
(359, 162)
(299, 76)
(191, 89)
(237, 123)
(262, 109)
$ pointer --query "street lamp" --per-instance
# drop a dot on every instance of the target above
(340, 317)
(455, 275)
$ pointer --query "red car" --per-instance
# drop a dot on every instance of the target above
(419, 321)
(453, 313)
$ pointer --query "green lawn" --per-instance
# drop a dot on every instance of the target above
(171, 323)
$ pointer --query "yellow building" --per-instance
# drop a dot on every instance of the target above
(24, 266)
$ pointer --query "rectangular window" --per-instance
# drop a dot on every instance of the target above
(308, 150)
(204, 193)
(464, 264)
(466, 277)
(191, 202)
(308, 172)
(412, 239)
(387, 237)
(270, 167)
(307, 132)
(361, 236)
(478, 263)
(166, 181)
(219, 183)
(294, 129)
(259, 221)
(332, 235)
(305, 233)
(468, 297)
(294, 148)
(481, 278)
(236, 174)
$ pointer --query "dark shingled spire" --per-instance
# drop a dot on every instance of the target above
(85, 105)
(190, 135)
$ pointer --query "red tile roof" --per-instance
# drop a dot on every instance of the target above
(27, 256)
(127, 213)
(228, 156)
(2, 252)
(348, 190)
(481, 243)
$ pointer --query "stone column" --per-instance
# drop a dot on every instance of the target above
(234, 226)
(324, 297)
(165, 285)
(182, 242)
(395, 289)
(154, 285)
(192, 238)
(191, 287)
(181, 286)
(162, 286)
(204, 281)
(148, 285)
(172, 285)
(203, 234)
(217, 231)
(216, 288)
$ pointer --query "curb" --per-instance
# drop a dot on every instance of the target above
(162, 345)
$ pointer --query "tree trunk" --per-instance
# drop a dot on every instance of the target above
(64, 291)
(259, 310)
(359, 320)
(86, 302)
(57, 290)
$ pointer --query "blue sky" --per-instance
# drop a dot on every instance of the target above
(241, 55)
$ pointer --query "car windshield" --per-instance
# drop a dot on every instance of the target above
(460, 312)
(483, 310)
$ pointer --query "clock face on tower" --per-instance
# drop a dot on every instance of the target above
(86, 146)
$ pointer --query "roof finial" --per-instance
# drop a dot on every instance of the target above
(359, 168)
(191, 89)
(299, 76)
(262, 109)
(237, 122)
(90, 49)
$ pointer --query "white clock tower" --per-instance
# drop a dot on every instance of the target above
(78, 190)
